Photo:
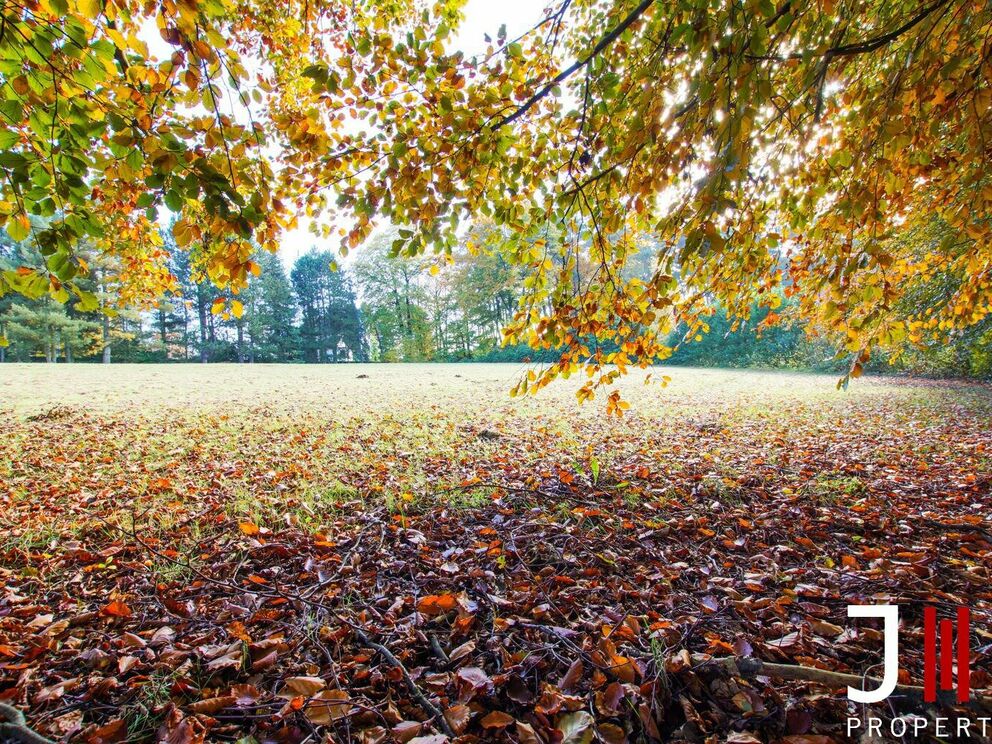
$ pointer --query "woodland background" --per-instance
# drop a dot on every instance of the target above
(386, 308)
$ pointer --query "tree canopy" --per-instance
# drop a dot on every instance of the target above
(835, 152)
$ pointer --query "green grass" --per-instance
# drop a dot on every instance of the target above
(84, 447)
(395, 394)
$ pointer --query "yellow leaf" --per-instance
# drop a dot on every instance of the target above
(91, 8)
(237, 309)
(19, 228)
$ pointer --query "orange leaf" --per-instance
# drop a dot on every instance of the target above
(116, 609)
(237, 630)
(437, 604)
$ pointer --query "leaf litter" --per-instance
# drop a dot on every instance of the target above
(522, 598)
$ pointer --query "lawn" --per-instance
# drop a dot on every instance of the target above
(381, 552)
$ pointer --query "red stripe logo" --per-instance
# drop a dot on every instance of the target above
(946, 655)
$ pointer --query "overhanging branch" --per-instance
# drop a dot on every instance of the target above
(577, 65)
(862, 47)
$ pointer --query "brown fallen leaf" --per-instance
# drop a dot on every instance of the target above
(526, 734)
(265, 661)
(407, 730)
(610, 733)
(245, 695)
(212, 705)
(576, 728)
(823, 628)
(301, 686)
(458, 717)
(462, 651)
(328, 706)
(374, 735)
(572, 676)
(497, 720)
(110, 733)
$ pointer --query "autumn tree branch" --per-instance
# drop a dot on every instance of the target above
(862, 47)
(577, 65)
(14, 727)
(426, 705)
(879, 41)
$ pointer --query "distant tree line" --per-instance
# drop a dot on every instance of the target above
(385, 308)
(381, 308)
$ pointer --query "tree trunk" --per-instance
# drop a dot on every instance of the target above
(185, 331)
(406, 299)
(106, 339)
(379, 341)
(162, 334)
(241, 343)
(201, 307)
(68, 352)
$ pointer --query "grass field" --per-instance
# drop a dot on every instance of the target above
(726, 505)
(283, 438)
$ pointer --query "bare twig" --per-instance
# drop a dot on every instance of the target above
(415, 690)
(748, 667)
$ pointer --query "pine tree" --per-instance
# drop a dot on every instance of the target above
(331, 326)
(270, 313)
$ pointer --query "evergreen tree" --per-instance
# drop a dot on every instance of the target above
(270, 313)
(45, 329)
(331, 326)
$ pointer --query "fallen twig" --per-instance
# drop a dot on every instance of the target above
(14, 727)
(415, 690)
(978, 529)
(418, 694)
(749, 667)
